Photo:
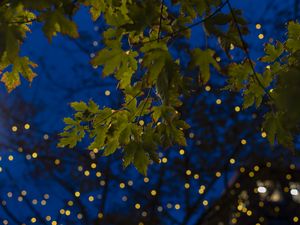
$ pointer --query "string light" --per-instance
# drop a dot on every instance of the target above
(91, 198)
(153, 192)
(264, 134)
(137, 206)
(14, 128)
(261, 36)
(188, 172)
(237, 109)
(243, 142)
(181, 152)
(207, 88)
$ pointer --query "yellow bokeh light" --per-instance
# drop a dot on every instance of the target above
(70, 203)
(205, 202)
(207, 88)
(261, 204)
(186, 185)
(107, 93)
(137, 206)
(14, 128)
(218, 101)
(292, 166)
(68, 213)
(77, 194)
(98, 174)
(258, 26)
(177, 206)
(249, 213)
(232, 161)
(27, 126)
(33, 220)
(122, 185)
(91, 198)
(48, 218)
(181, 152)
(243, 142)
(263, 134)
(261, 36)
(153, 192)
(164, 160)
(237, 108)
(288, 177)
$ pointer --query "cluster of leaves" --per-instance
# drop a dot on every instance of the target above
(15, 19)
(137, 53)
(148, 76)
(113, 129)
(12, 34)
(279, 81)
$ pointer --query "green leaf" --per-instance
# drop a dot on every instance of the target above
(79, 106)
(156, 113)
(275, 129)
(203, 59)
(238, 75)
(141, 161)
(273, 52)
(22, 66)
(125, 134)
(293, 42)
(100, 137)
(56, 21)
(112, 145)
(129, 152)
(96, 7)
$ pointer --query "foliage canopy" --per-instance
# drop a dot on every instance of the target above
(138, 52)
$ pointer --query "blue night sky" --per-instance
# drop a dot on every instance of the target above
(31, 188)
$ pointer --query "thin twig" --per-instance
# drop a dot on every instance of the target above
(222, 5)
(246, 50)
(160, 20)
